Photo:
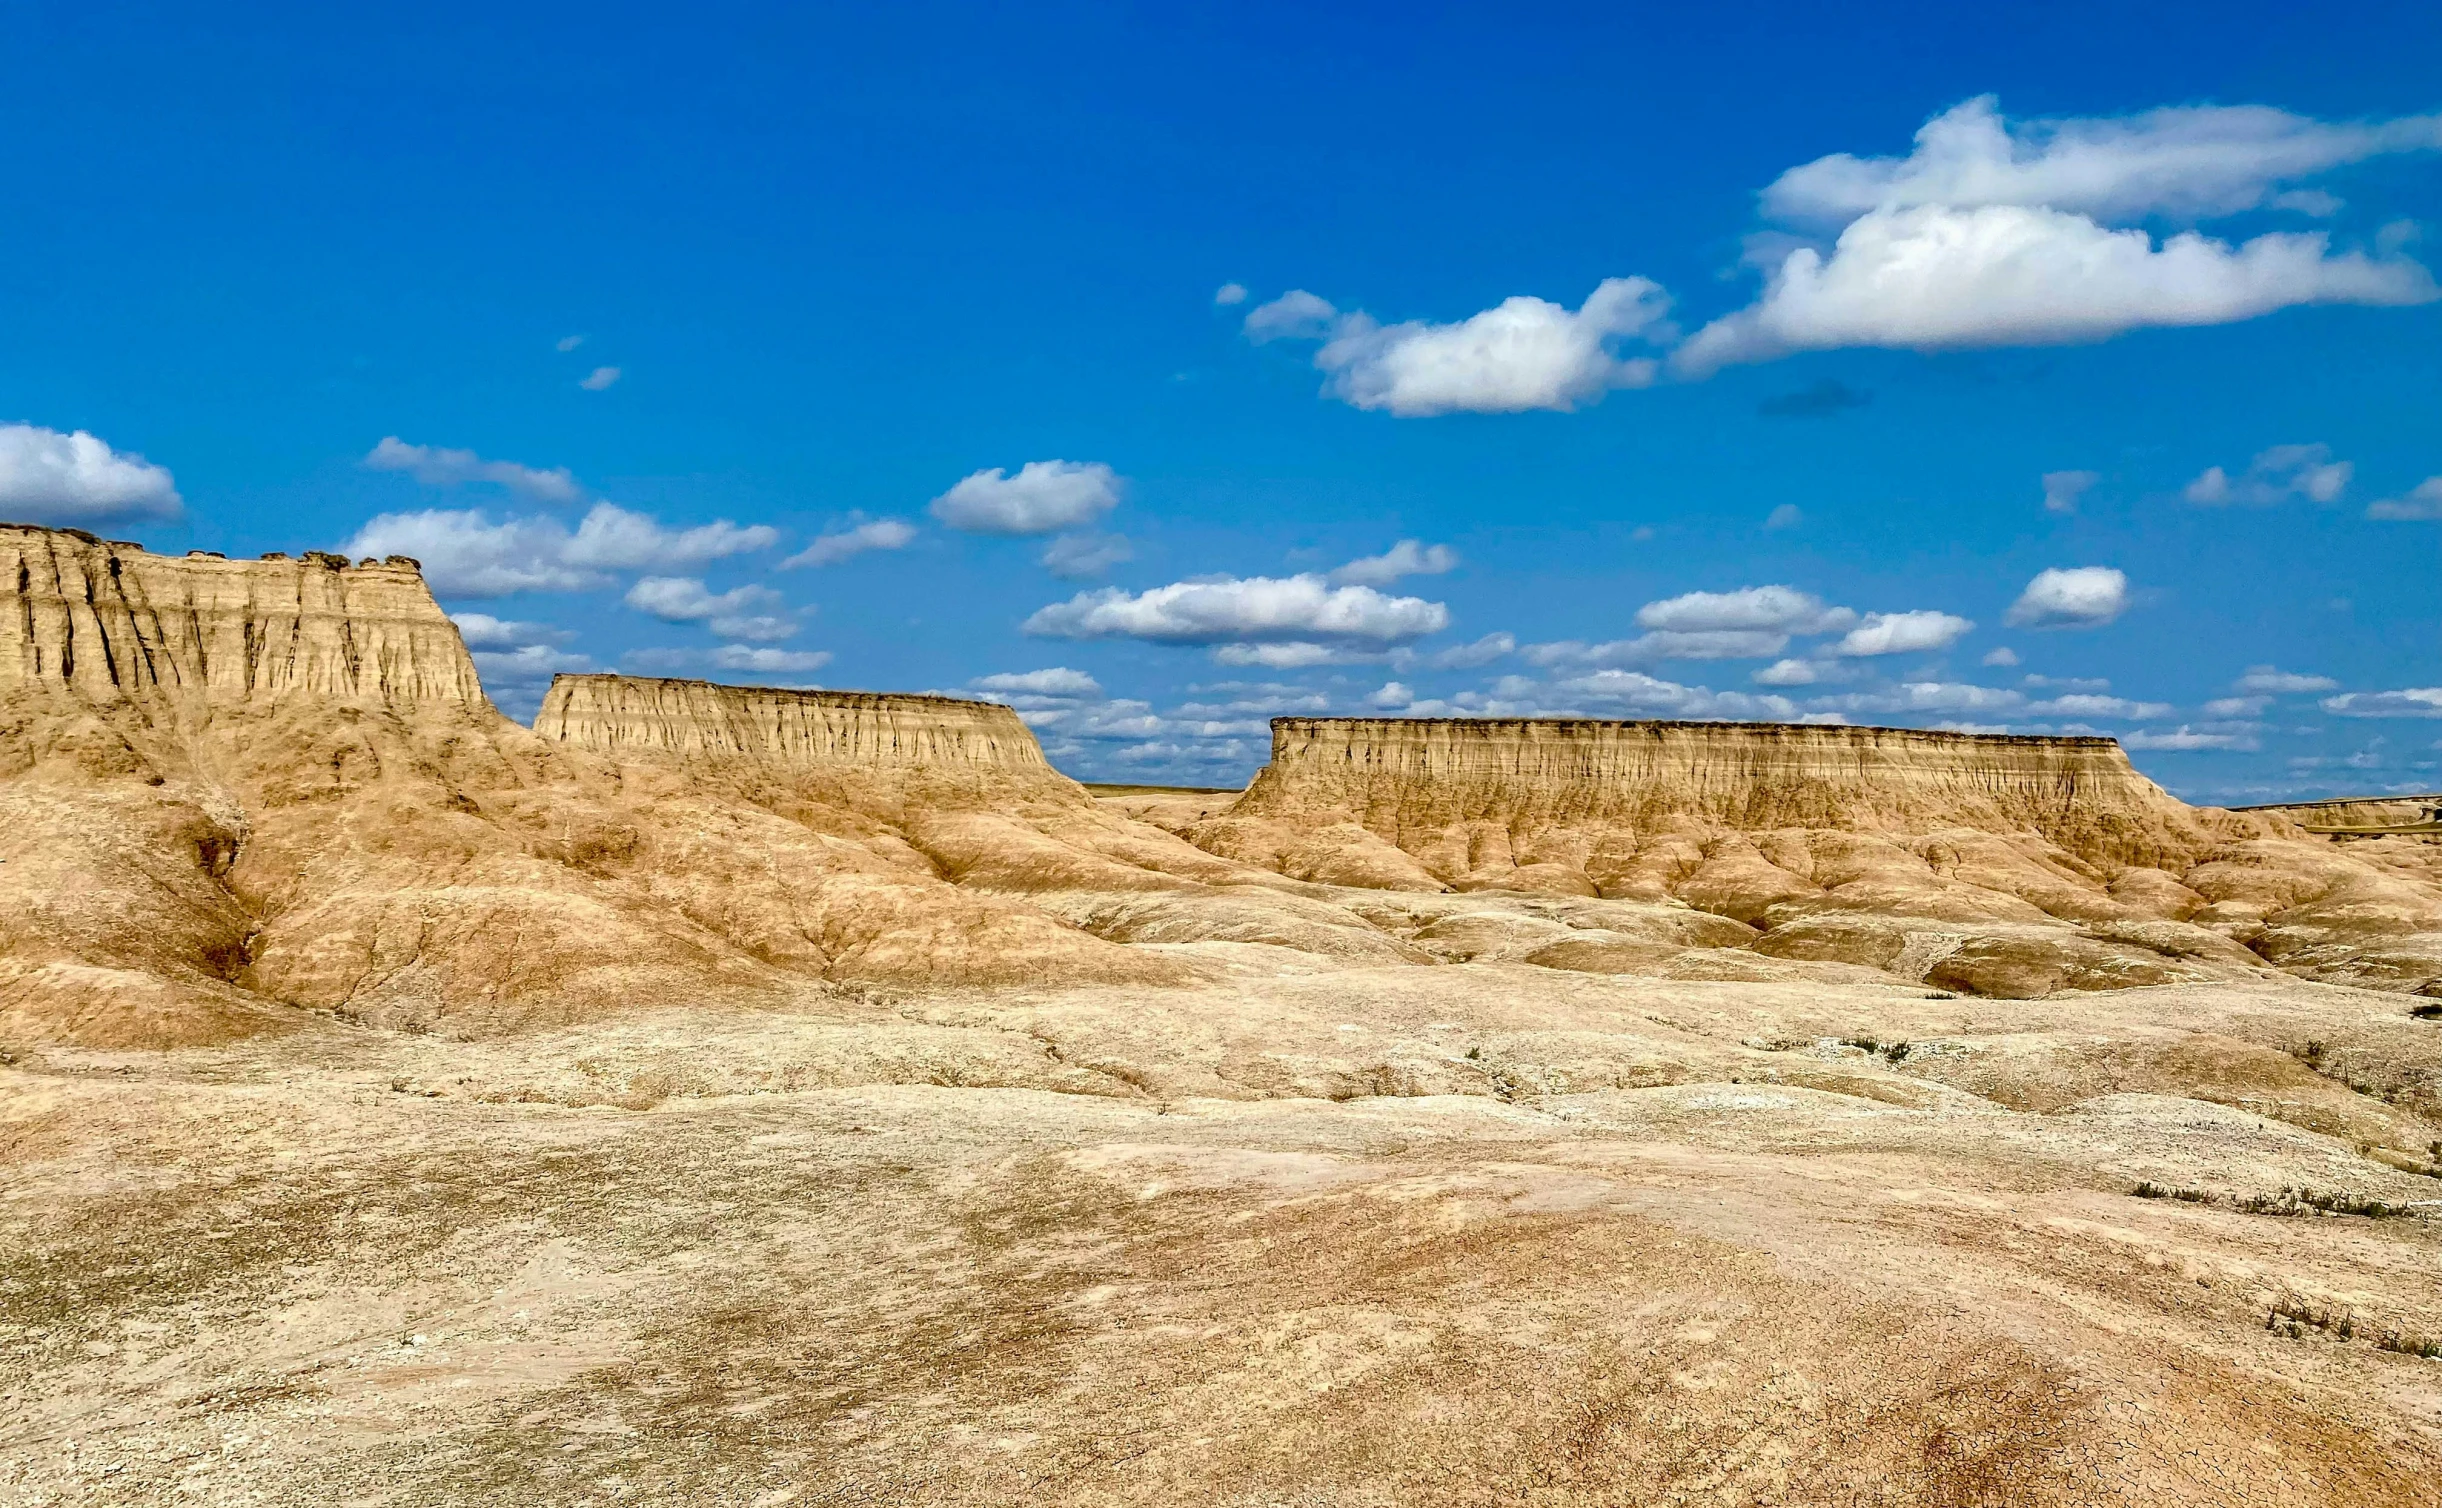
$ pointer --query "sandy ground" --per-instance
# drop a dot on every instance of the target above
(1481, 1233)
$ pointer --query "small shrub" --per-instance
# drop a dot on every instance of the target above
(1896, 1051)
(2152, 1190)
(2311, 1054)
(2306, 1201)
(2430, 1011)
(2409, 1345)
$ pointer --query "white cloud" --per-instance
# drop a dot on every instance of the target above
(439, 466)
(2236, 706)
(2196, 161)
(2275, 476)
(2072, 597)
(769, 661)
(2416, 701)
(1468, 656)
(2067, 683)
(1523, 353)
(2001, 656)
(568, 343)
(465, 554)
(526, 664)
(2097, 706)
(48, 477)
(1230, 293)
(1789, 673)
(1058, 681)
(2185, 737)
(599, 378)
(2062, 489)
(1295, 315)
(1776, 609)
(2423, 501)
(2265, 680)
(612, 538)
(860, 535)
(1080, 557)
(1043, 498)
(1392, 695)
(1252, 610)
(483, 631)
(738, 613)
(1925, 696)
(1901, 633)
(1751, 623)
(1786, 516)
(1635, 691)
(1935, 278)
(1406, 558)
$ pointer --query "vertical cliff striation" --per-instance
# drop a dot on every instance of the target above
(1401, 775)
(626, 717)
(111, 624)
(1591, 806)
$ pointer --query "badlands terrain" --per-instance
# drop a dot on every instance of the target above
(721, 1095)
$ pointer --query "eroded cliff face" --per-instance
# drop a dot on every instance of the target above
(1993, 865)
(620, 716)
(960, 786)
(233, 788)
(113, 625)
(1410, 780)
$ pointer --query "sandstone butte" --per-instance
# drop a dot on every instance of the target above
(1469, 1111)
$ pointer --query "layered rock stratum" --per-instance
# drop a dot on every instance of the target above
(720, 1094)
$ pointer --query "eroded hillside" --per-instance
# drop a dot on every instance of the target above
(732, 1095)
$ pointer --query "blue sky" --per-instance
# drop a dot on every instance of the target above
(1116, 351)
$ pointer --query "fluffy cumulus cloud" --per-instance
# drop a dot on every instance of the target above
(2268, 680)
(53, 478)
(1058, 683)
(1523, 353)
(439, 466)
(1044, 497)
(483, 631)
(2422, 501)
(1901, 633)
(2275, 476)
(1758, 622)
(744, 612)
(1934, 278)
(466, 554)
(1305, 612)
(2071, 597)
(1994, 232)
(2416, 701)
(1406, 558)
(2191, 161)
(859, 536)
(599, 378)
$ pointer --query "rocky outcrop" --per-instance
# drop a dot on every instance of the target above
(1412, 780)
(619, 716)
(230, 789)
(1993, 865)
(113, 625)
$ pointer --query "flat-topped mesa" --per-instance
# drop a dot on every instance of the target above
(1404, 777)
(814, 732)
(110, 623)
